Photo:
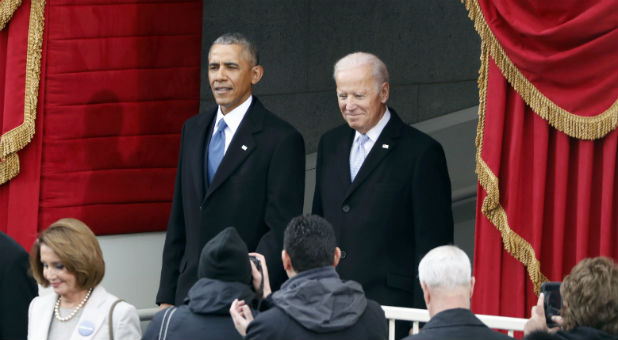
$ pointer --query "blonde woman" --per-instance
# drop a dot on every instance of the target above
(67, 257)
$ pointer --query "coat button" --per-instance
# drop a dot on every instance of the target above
(346, 208)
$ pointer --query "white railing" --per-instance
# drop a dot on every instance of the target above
(407, 314)
(422, 315)
(147, 314)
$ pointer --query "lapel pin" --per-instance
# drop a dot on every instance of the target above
(384, 146)
(244, 148)
(85, 328)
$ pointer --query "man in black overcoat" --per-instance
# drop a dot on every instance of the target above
(383, 185)
(239, 165)
(18, 288)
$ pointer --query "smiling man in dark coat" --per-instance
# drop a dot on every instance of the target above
(383, 185)
(239, 165)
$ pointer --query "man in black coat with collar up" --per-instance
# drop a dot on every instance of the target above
(224, 275)
(314, 303)
(239, 165)
(383, 185)
(447, 283)
(17, 287)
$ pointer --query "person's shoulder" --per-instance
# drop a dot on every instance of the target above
(275, 122)
(375, 308)
(201, 117)
(336, 134)
(273, 313)
(268, 324)
(10, 249)
(418, 137)
(43, 300)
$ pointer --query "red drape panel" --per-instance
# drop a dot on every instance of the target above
(19, 197)
(118, 81)
(548, 193)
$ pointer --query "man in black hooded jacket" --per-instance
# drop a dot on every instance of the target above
(224, 274)
(314, 303)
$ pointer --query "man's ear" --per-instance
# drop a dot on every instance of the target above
(384, 92)
(426, 294)
(287, 261)
(337, 256)
(472, 282)
(257, 72)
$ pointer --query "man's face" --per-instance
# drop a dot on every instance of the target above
(231, 75)
(360, 101)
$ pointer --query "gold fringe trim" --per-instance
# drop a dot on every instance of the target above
(18, 137)
(7, 8)
(514, 244)
(580, 127)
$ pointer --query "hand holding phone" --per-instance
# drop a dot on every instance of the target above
(553, 301)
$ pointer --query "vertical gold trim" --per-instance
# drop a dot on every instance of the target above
(7, 9)
(514, 244)
(581, 127)
(18, 137)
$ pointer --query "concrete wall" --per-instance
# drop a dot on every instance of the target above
(430, 48)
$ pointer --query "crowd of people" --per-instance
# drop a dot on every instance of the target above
(233, 298)
(239, 259)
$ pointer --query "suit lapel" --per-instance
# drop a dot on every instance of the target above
(198, 143)
(386, 142)
(46, 312)
(343, 158)
(93, 315)
(241, 146)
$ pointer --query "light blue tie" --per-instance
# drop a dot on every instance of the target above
(216, 149)
(357, 156)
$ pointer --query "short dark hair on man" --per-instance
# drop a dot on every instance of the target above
(310, 242)
(236, 38)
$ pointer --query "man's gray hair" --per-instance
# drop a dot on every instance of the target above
(445, 267)
(238, 39)
(380, 73)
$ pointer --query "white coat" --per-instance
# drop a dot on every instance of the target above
(126, 324)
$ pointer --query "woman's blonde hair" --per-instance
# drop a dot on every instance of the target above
(77, 248)
(590, 295)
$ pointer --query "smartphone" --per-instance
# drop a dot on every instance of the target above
(553, 301)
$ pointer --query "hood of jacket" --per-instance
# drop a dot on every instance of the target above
(320, 301)
(583, 332)
(208, 296)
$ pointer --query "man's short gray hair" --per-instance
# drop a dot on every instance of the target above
(238, 39)
(445, 267)
(380, 73)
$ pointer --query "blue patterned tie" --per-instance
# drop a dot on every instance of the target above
(216, 149)
(357, 157)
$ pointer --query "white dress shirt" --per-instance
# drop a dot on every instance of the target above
(373, 134)
(233, 120)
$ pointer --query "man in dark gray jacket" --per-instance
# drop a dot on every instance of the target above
(447, 283)
(314, 303)
(224, 275)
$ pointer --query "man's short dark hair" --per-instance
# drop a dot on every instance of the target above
(251, 51)
(310, 242)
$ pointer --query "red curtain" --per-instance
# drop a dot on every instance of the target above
(118, 80)
(547, 145)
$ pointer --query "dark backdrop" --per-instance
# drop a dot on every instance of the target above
(430, 48)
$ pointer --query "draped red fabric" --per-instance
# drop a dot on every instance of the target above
(557, 193)
(566, 48)
(19, 197)
(118, 81)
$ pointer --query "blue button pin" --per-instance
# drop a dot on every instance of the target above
(86, 328)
